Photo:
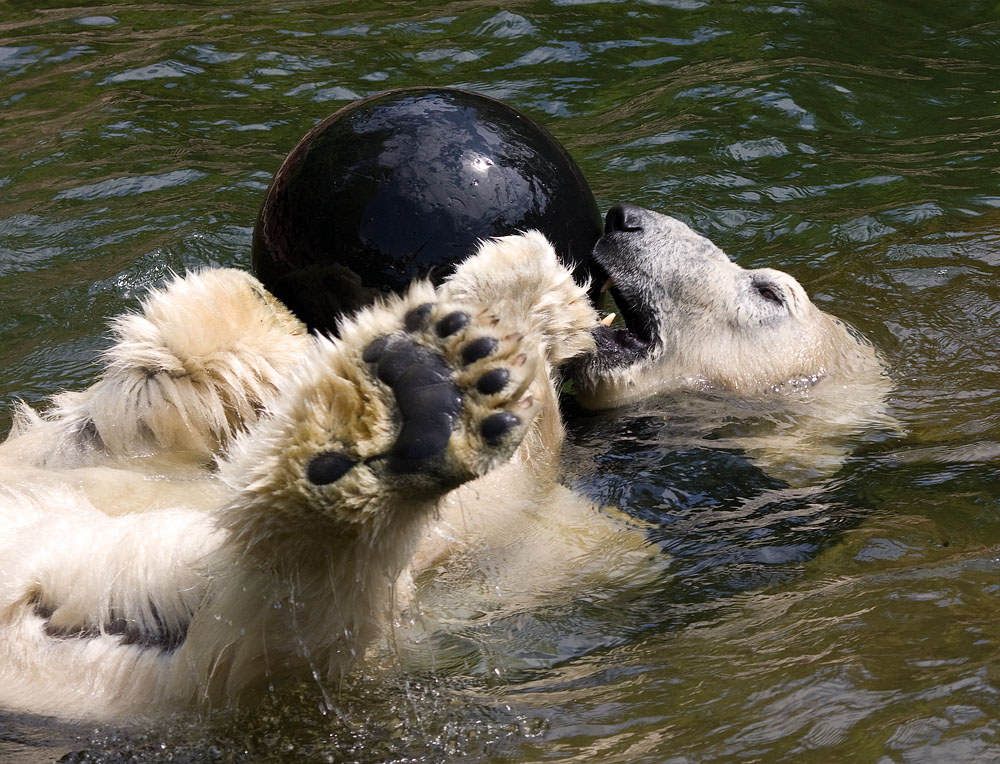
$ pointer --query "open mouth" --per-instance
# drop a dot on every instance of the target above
(621, 342)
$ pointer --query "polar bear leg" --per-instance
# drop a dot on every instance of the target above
(437, 392)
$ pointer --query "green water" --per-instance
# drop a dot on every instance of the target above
(852, 144)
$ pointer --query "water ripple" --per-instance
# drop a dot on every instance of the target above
(159, 70)
(130, 186)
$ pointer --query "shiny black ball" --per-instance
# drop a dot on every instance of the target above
(403, 185)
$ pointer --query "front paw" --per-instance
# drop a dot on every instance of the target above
(455, 380)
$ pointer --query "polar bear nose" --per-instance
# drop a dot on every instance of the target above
(624, 217)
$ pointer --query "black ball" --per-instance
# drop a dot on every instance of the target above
(403, 185)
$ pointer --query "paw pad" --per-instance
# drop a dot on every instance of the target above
(328, 467)
(374, 349)
(452, 323)
(416, 318)
(496, 426)
(428, 400)
(396, 360)
(493, 381)
(455, 376)
(478, 349)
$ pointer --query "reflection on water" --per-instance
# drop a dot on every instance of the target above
(853, 145)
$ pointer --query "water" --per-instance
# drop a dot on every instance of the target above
(852, 144)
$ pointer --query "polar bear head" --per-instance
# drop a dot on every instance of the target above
(693, 319)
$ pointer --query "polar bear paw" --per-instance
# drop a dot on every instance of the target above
(456, 383)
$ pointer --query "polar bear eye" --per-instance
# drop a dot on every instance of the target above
(770, 293)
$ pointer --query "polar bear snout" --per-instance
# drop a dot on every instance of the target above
(623, 267)
(624, 218)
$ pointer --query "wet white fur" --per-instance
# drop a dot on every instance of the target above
(717, 332)
(111, 504)
(180, 376)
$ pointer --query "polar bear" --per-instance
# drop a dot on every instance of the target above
(233, 501)
(694, 321)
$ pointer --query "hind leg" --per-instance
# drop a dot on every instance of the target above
(184, 375)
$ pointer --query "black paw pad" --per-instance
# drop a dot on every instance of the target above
(428, 400)
(478, 349)
(493, 381)
(495, 426)
(374, 350)
(452, 323)
(328, 467)
(416, 318)
(392, 357)
(429, 403)
(419, 442)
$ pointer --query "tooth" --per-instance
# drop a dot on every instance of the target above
(607, 285)
(608, 319)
